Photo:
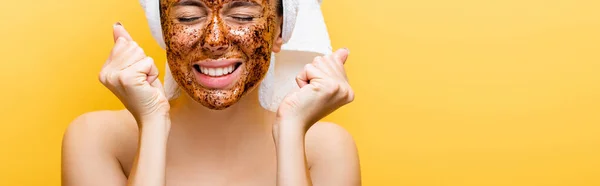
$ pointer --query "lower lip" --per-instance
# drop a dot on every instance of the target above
(220, 82)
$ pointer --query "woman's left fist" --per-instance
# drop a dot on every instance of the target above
(324, 88)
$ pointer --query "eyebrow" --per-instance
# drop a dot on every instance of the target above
(188, 3)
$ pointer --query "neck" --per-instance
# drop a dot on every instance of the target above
(244, 117)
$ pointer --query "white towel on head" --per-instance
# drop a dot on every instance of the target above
(303, 18)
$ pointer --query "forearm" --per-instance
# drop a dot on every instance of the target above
(292, 169)
(150, 161)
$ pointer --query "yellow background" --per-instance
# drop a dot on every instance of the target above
(462, 92)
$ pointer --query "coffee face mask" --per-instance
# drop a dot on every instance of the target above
(303, 33)
(219, 50)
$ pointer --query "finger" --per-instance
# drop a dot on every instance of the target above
(153, 73)
(309, 73)
(341, 55)
(149, 68)
(332, 68)
(145, 66)
(119, 31)
(117, 49)
(120, 43)
(301, 79)
(317, 78)
(337, 68)
(140, 70)
(130, 56)
(313, 73)
(322, 63)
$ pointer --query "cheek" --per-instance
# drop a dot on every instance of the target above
(182, 40)
(254, 41)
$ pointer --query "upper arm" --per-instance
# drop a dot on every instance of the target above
(332, 156)
(88, 154)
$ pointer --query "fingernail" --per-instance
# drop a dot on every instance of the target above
(347, 50)
(117, 24)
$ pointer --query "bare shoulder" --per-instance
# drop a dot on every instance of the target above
(101, 132)
(332, 155)
(94, 146)
(325, 139)
(329, 133)
(101, 124)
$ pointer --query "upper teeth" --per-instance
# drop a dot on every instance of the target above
(217, 71)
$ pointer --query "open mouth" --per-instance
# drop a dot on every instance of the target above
(217, 72)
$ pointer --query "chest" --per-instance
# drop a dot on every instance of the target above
(250, 165)
(251, 168)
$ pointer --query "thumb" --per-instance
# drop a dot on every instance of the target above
(341, 55)
(119, 31)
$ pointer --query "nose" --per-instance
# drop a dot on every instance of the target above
(214, 41)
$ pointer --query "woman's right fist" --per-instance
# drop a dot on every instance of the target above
(133, 78)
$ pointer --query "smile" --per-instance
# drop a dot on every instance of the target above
(218, 74)
(216, 71)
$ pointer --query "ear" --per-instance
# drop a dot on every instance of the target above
(278, 42)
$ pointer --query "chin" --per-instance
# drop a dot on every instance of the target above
(216, 99)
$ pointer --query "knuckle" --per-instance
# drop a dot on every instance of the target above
(121, 40)
(123, 78)
(317, 59)
(307, 66)
(109, 78)
(345, 93)
(134, 44)
(147, 61)
(334, 88)
(105, 76)
(116, 52)
(102, 77)
(119, 45)
(330, 58)
(139, 50)
(350, 96)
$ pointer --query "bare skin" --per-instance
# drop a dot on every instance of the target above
(99, 149)
(213, 135)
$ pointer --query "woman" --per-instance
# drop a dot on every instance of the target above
(216, 132)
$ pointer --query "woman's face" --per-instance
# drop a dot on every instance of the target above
(218, 50)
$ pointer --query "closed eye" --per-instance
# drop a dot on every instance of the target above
(242, 11)
(188, 11)
(187, 19)
(243, 18)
